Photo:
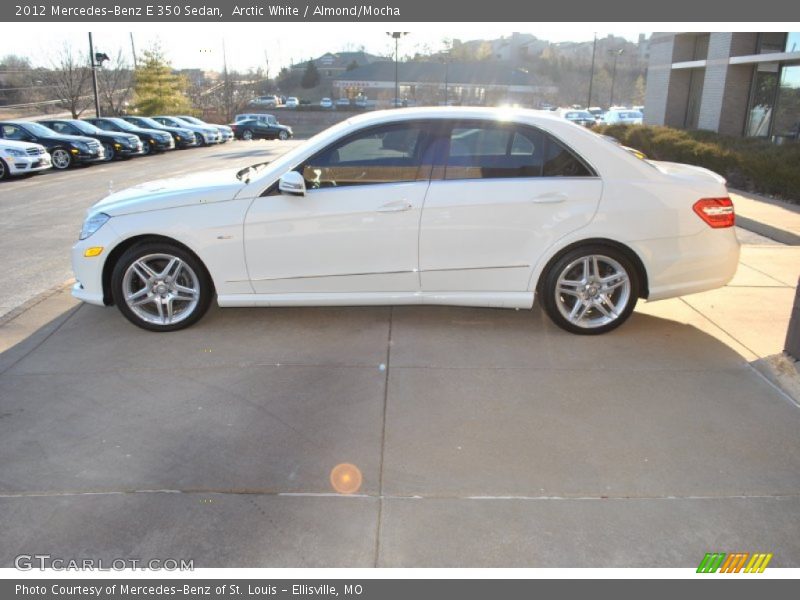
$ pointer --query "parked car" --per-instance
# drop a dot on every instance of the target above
(204, 134)
(65, 150)
(626, 117)
(580, 117)
(225, 132)
(343, 102)
(326, 103)
(361, 101)
(184, 137)
(22, 158)
(153, 140)
(292, 102)
(266, 128)
(513, 207)
(266, 101)
(115, 145)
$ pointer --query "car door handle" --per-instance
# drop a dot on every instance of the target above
(398, 206)
(549, 198)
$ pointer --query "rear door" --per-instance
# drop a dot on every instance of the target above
(503, 194)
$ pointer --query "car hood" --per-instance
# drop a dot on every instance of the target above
(687, 172)
(198, 188)
(65, 137)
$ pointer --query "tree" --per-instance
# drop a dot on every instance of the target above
(639, 91)
(158, 90)
(114, 83)
(20, 83)
(310, 76)
(71, 80)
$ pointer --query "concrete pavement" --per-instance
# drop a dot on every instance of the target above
(484, 437)
(768, 217)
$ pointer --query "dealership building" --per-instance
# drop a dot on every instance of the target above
(741, 84)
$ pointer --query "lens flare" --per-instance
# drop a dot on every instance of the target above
(346, 478)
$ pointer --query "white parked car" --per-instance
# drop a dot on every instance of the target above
(326, 103)
(292, 102)
(21, 158)
(624, 116)
(460, 206)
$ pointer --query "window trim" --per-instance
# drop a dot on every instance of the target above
(440, 168)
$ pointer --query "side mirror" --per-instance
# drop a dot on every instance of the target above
(292, 183)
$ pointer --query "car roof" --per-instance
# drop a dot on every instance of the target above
(458, 112)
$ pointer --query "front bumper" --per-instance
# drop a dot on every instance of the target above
(20, 165)
(161, 146)
(212, 138)
(81, 157)
(187, 142)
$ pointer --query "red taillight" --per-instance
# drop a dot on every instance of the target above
(716, 212)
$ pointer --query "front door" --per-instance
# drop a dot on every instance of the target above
(356, 228)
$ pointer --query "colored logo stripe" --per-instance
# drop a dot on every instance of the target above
(734, 562)
(711, 562)
(758, 563)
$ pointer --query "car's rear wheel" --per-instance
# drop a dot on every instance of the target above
(61, 159)
(161, 287)
(590, 290)
(247, 135)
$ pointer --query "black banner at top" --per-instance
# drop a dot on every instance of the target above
(143, 11)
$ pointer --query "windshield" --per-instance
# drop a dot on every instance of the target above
(37, 129)
(194, 120)
(148, 122)
(121, 123)
(85, 127)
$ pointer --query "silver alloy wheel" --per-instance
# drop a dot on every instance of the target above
(283, 135)
(110, 153)
(247, 135)
(61, 158)
(161, 289)
(592, 291)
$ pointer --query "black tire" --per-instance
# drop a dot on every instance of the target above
(283, 136)
(61, 159)
(147, 148)
(201, 141)
(247, 135)
(147, 250)
(110, 153)
(599, 317)
(3, 170)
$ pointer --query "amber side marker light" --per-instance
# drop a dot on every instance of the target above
(93, 251)
(716, 212)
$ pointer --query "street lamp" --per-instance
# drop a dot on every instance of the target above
(616, 54)
(446, 61)
(96, 60)
(396, 35)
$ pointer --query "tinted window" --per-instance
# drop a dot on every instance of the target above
(61, 127)
(12, 132)
(560, 162)
(493, 151)
(379, 155)
(104, 125)
(499, 151)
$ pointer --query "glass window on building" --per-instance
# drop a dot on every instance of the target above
(786, 125)
(762, 100)
(792, 42)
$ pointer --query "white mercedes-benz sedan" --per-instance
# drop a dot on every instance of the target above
(458, 206)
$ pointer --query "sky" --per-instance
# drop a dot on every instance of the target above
(252, 45)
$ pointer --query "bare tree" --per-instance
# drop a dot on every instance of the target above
(115, 83)
(71, 79)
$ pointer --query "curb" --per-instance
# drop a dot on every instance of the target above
(773, 233)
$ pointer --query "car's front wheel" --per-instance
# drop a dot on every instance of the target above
(283, 136)
(3, 170)
(61, 159)
(110, 153)
(161, 287)
(590, 290)
(146, 148)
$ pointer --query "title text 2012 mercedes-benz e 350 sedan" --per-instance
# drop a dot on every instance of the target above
(460, 206)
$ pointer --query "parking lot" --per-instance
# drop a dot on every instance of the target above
(482, 437)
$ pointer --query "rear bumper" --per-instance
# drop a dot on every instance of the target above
(689, 264)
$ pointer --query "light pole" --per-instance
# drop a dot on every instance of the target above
(616, 54)
(591, 73)
(446, 61)
(396, 35)
(96, 60)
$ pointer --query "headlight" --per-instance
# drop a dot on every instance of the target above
(92, 224)
(14, 152)
(81, 146)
